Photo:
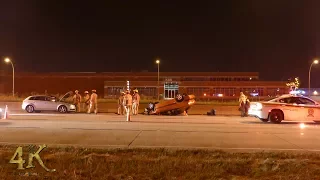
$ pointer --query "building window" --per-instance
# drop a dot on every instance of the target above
(171, 89)
(147, 91)
(198, 92)
(276, 91)
(113, 91)
(228, 91)
(253, 91)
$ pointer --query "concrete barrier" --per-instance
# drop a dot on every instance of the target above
(112, 108)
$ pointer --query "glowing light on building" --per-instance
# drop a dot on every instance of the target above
(128, 85)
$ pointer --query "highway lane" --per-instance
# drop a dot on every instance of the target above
(109, 131)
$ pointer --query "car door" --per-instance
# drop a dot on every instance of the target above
(309, 109)
(51, 104)
(290, 108)
(40, 103)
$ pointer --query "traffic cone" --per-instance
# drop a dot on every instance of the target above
(5, 113)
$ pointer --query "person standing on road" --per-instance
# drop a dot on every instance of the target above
(93, 102)
(120, 104)
(77, 100)
(128, 102)
(247, 106)
(136, 101)
(242, 103)
(86, 101)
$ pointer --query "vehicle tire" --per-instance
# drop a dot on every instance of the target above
(62, 109)
(30, 109)
(179, 98)
(276, 116)
(264, 120)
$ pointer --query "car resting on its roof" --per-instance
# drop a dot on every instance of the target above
(178, 105)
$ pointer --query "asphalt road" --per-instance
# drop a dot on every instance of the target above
(112, 131)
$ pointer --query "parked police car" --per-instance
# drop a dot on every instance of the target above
(286, 107)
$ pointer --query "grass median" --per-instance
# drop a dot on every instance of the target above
(75, 163)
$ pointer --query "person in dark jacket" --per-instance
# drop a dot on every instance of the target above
(246, 107)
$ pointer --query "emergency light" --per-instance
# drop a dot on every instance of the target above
(128, 85)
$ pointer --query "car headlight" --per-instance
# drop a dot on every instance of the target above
(191, 102)
(72, 106)
(259, 106)
(256, 106)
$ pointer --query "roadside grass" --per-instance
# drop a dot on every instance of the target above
(6, 98)
(77, 163)
(10, 98)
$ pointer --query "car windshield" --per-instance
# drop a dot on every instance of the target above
(66, 98)
(269, 98)
(53, 98)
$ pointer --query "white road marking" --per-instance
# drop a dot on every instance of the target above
(35, 114)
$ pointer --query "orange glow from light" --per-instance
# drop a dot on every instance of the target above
(302, 126)
(191, 102)
(7, 60)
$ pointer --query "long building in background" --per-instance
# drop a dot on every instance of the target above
(204, 85)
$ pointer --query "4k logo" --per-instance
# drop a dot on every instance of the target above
(36, 155)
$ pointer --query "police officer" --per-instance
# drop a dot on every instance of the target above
(93, 102)
(242, 103)
(120, 104)
(77, 100)
(86, 101)
(128, 102)
(136, 101)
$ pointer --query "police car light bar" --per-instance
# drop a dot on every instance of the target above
(297, 92)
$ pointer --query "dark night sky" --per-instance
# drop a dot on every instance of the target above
(278, 38)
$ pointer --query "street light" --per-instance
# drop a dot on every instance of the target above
(158, 62)
(314, 62)
(7, 60)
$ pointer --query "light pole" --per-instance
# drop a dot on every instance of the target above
(158, 62)
(314, 62)
(7, 60)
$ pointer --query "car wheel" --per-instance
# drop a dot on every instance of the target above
(276, 116)
(179, 98)
(30, 109)
(264, 120)
(62, 109)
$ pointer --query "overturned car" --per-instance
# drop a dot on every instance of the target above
(181, 103)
